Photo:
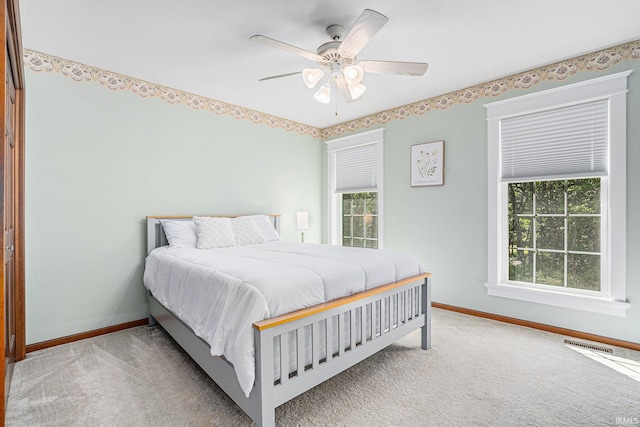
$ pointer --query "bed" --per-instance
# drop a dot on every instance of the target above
(264, 349)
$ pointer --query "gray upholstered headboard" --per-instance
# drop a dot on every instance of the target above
(155, 232)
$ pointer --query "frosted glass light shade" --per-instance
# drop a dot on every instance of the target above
(303, 220)
(353, 74)
(356, 90)
(323, 94)
(311, 76)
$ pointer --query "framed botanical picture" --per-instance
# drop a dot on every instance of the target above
(427, 164)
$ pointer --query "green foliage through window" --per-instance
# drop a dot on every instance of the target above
(554, 233)
(360, 219)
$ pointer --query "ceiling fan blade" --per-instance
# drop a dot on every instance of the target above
(287, 47)
(367, 25)
(393, 67)
(279, 75)
(342, 85)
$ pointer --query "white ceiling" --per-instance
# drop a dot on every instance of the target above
(203, 46)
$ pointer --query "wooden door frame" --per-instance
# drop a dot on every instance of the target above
(19, 297)
(14, 45)
(12, 42)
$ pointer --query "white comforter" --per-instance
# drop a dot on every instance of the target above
(220, 293)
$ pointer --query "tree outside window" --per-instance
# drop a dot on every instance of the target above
(360, 219)
(554, 233)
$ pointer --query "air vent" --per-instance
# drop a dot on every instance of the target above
(588, 345)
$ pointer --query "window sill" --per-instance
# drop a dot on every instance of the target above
(559, 299)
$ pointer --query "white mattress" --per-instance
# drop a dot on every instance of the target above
(220, 293)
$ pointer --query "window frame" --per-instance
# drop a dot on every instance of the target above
(334, 205)
(612, 88)
(602, 253)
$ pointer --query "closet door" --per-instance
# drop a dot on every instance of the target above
(12, 346)
(9, 162)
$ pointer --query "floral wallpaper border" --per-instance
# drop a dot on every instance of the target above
(596, 61)
(42, 62)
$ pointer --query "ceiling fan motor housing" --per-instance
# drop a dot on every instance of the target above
(331, 56)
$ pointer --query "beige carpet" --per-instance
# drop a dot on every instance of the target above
(478, 373)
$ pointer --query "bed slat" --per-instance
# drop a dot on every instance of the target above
(328, 334)
(374, 320)
(284, 358)
(300, 351)
(340, 334)
(315, 344)
(352, 329)
(363, 324)
(384, 314)
(407, 305)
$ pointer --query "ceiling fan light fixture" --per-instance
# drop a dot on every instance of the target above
(337, 59)
(311, 76)
(353, 74)
(356, 90)
(323, 94)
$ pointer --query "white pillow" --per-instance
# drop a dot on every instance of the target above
(214, 232)
(265, 226)
(246, 231)
(180, 234)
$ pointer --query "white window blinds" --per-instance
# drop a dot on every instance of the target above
(569, 141)
(356, 169)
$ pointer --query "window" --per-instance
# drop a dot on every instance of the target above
(360, 219)
(554, 234)
(557, 201)
(355, 189)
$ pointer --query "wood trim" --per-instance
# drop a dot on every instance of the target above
(541, 326)
(14, 43)
(19, 174)
(84, 335)
(12, 65)
(295, 315)
(19, 225)
(5, 365)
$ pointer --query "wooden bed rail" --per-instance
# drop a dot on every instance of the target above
(295, 315)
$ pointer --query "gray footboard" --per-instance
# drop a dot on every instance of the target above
(365, 325)
(383, 318)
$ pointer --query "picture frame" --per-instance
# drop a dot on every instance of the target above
(427, 164)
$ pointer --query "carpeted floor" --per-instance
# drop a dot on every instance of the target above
(478, 373)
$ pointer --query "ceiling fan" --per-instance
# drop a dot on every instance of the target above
(337, 59)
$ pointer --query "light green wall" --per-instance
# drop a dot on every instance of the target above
(447, 226)
(98, 161)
